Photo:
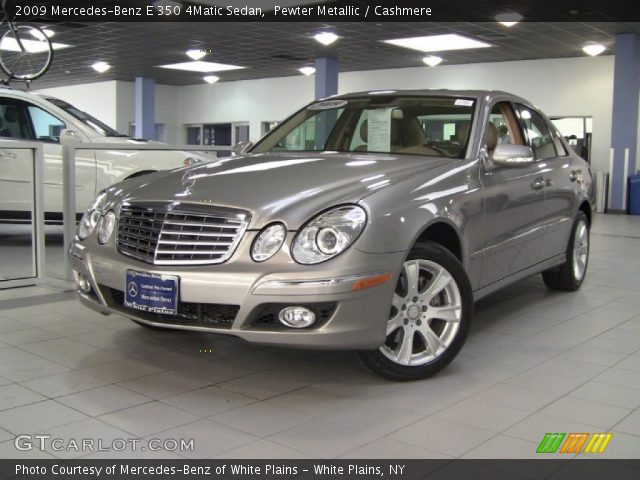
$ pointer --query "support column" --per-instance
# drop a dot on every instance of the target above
(624, 124)
(326, 85)
(326, 77)
(145, 107)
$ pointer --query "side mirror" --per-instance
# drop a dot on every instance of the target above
(69, 137)
(507, 155)
(242, 147)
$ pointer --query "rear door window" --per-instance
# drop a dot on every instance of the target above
(537, 133)
(13, 120)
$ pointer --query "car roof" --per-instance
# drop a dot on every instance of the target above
(443, 92)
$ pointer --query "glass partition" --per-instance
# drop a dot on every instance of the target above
(17, 218)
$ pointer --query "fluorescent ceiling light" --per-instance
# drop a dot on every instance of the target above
(326, 38)
(199, 66)
(210, 78)
(101, 67)
(438, 43)
(508, 19)
(307, 70)
(432, 60)
(196, 54)
(48, 33)
(593, 49)
(9, 44)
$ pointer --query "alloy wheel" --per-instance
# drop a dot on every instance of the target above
(425, 314)
(580, 250)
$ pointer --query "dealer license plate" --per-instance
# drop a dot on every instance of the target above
(151, 292)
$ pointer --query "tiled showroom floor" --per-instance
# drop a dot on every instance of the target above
(536, 361)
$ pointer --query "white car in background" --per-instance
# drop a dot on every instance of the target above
(32, 117)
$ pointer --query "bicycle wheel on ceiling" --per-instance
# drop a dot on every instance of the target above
(26, 52)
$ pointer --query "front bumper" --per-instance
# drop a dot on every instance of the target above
(244, 296)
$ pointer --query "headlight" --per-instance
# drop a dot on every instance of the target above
(328, 234)
(92, 216)
(106, 227)
(268, 242)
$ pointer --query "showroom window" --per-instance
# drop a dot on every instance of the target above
(45, 126)
(578, 132)
(538, 133)
(194, 135)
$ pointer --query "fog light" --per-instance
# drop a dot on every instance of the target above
(83, 282)
(297, 317)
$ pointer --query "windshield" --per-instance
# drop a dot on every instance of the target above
(429, 126)
(87, 119)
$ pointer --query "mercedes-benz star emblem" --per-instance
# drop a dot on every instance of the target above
(188, 180)
(133, 289)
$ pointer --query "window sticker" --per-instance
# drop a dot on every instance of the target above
(327, 105)
(379, 126)
(463, 102)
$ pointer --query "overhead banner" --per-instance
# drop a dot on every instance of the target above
(325, 11)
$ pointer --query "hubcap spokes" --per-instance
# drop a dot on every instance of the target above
(580, 250)
(425, 314)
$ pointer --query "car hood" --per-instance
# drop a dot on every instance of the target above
(284, 187)
(199, 155)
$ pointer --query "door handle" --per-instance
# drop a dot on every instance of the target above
(538, 183)
(573, 175)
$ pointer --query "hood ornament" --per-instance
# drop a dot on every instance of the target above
(188, 180)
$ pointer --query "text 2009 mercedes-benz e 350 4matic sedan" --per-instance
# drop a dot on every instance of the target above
(369, 221)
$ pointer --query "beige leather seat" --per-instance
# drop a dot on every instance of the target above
(364, 137)
(10, 125)
(462, 131)
(395, 138)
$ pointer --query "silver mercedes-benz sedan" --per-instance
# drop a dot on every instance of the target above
(369, 221)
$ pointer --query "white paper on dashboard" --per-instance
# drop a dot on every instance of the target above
(379, 130)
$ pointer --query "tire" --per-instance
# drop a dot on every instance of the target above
(570, 275)
(437, 319)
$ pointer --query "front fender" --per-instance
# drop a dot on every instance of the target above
(399, 214)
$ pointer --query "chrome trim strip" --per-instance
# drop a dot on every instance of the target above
(321, 282)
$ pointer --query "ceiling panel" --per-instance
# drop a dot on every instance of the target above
(273, 49)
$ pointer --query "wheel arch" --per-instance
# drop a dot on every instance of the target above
(585, 207)
(444, 234)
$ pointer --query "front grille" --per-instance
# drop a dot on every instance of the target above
(186, 235)
(211, 315)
